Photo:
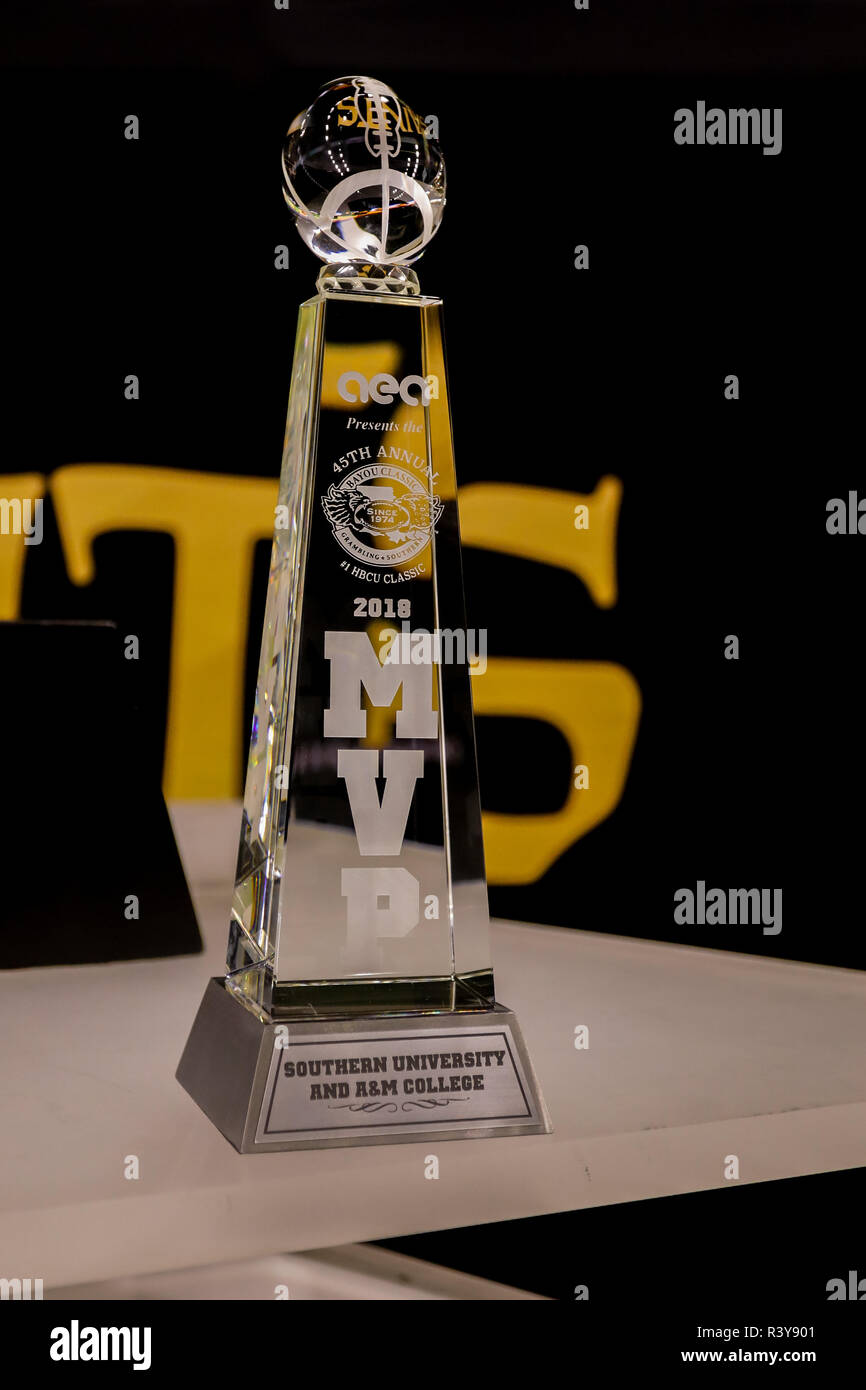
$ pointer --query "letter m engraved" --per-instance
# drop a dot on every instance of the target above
(355, 663)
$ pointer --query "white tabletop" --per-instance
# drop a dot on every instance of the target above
(694, 1055)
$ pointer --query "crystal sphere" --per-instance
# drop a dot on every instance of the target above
(364, 179)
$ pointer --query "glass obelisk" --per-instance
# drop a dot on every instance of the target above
(359, 923)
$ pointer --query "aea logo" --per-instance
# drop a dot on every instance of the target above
(412, 390)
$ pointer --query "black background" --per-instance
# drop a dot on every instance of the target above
(156, 257)
(84, 830)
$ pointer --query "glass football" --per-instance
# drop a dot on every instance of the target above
(364, 179)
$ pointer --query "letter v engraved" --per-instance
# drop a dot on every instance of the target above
(380, 828)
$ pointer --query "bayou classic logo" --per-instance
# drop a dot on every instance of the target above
(381, 514)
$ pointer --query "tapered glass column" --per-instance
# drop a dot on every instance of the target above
(360, 880)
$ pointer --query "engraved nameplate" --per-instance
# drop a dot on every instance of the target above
(378, 1081)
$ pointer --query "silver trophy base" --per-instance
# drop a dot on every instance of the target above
(323, 1083)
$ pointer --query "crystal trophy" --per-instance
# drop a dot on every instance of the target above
(358, 1003)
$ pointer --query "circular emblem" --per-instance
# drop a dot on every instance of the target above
(381, 514)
